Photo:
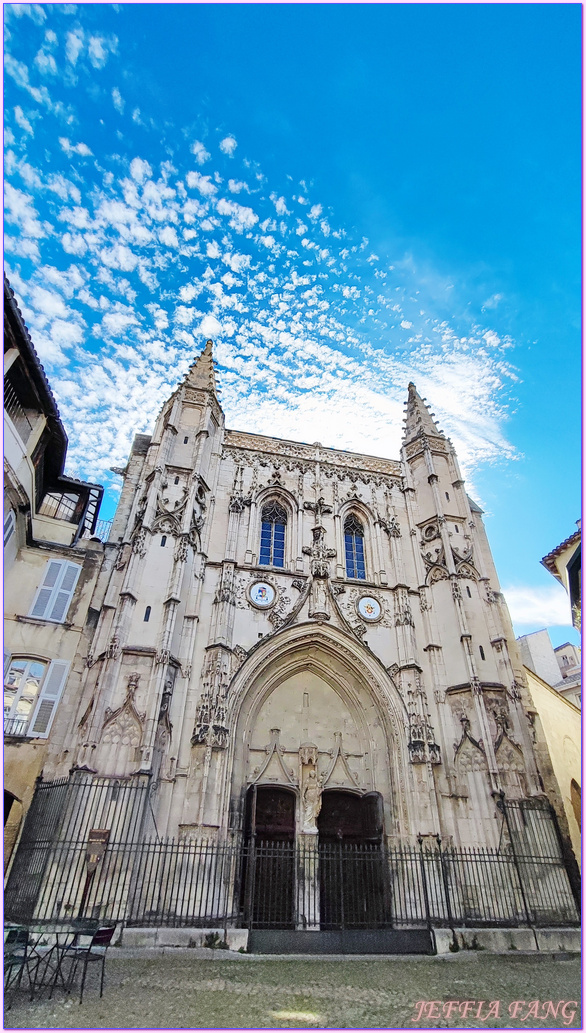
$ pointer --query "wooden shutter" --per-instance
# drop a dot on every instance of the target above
(44, 713)
(54, 595)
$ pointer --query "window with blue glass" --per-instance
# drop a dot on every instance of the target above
(354, 546)
(272, 535)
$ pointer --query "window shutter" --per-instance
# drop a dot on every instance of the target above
(9, 525)
(55, 593)
(41, 603)
(42, 718)
(63, 592)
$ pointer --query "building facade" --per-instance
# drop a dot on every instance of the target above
(275, 614)
(51, 563)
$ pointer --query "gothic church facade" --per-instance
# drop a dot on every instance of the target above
(299, 641)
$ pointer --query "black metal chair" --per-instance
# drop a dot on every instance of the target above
(16, 958)
(89, 948)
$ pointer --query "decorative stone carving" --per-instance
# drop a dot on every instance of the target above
(319, 508)
(168, 516)
(422, 743)
(124, 726)
(113, 648)
(138, 542)
(210, 717)
(404, 616)
(319, 554)
(238, 503)
(276, 751)
(390, 526)
(339, 759)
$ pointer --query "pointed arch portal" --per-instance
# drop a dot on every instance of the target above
(314, 701)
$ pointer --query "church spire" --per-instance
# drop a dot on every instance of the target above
(201, 374)
(418, 418)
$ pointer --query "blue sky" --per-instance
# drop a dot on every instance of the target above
(345, 197)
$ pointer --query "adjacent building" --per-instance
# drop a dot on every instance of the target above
(564, 562)
(51, 562)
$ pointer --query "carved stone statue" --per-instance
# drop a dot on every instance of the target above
(310, 787)
(311, 801)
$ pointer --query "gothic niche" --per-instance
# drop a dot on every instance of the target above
(123, 727)
(509, 757)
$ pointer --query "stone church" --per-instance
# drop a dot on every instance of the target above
(298, 641)
(280, 696)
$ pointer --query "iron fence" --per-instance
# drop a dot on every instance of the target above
(288, 885)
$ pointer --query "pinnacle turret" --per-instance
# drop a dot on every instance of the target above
(201, 373)
(418, 418)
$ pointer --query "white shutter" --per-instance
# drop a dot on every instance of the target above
(9, 525)
(42, 718)
(43, 598)
(54, 595)
(63, 592)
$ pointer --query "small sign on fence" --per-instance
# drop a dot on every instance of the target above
(96, 848)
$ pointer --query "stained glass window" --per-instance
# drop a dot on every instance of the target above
(272, 535)
(354, 546)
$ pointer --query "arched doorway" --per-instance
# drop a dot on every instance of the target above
(354, 890)
(268, 882)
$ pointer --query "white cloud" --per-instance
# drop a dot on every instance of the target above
(99, 49)
(45, 62)
(538, 607)
(196, 181)
(168, 236)
(22, 121)
(209, 327)
(492, 302)
(405, 324)
(315, 211)
(78, 148)
(201, 155)
(19, 210)
(228, 145)
(117, 99)
(119, 257)
(140, 170)
(280, 205)
(241, 218)
(74, 45)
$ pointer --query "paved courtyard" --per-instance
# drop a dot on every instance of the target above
(189, 989)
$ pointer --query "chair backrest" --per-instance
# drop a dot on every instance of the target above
(103, 937)
(16, 938)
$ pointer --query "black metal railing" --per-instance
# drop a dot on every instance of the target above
(288, 885)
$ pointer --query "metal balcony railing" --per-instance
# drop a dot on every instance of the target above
(102, 530)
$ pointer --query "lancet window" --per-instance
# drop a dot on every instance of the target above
(272, 535)
(354, 547)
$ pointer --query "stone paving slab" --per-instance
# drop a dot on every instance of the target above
(169, 988)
